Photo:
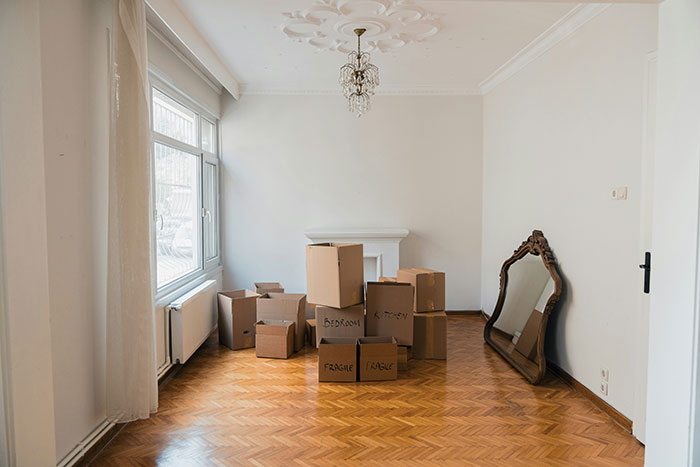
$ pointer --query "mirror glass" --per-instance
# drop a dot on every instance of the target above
(529, 287)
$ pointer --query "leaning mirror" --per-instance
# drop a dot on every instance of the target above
(530, 289)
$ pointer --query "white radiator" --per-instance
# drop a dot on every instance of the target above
(192, 320)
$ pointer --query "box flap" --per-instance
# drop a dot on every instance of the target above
(339, 340)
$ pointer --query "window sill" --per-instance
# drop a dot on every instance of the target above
(164, 298)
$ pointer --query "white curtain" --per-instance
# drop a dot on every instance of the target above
(132, 387)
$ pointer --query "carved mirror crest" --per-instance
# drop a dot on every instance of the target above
(530, 289)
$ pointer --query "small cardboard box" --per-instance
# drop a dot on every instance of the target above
(275, 338)
(527, 342)
(390, 310)
(267, 287)
(387, 279)
(288, 307)
(337, 359)
(378, 358)
(311, 332)
(430, 288)
(339, 322)
(237, 319)
(402, 357)
(334, 274)
(430, 336)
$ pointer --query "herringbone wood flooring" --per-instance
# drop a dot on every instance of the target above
(230, 408)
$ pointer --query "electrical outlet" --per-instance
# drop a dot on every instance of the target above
(619, 193)
(604, 388)
(605, 374)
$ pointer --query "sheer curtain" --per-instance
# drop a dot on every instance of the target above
(132, 388)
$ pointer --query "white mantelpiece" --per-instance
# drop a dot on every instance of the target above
(381, 247)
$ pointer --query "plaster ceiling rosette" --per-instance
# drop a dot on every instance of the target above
(390, 24)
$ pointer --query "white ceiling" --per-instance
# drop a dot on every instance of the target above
(473, 39)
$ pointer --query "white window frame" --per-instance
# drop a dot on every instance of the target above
(205, 266)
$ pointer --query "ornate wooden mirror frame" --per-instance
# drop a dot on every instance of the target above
(533, 371)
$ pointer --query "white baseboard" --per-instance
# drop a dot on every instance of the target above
(86, 444)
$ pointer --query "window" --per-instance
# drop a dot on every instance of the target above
(186, 188)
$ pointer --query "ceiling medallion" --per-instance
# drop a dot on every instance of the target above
(359, 78)
(389, 24)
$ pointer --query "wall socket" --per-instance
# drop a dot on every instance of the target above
(605, 374)
(619, 193)
(604, 388)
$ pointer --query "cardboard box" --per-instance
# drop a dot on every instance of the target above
(402, 357)
(378, 358)
(288, 307)
(390, 310)
(387, 279)
(334, 274)
(237, 316)
(527, 342)
(311, 332)
(268, 287)
(275, 338)
(337, 359)
(430, 288)
(339, 322)
(430, 336)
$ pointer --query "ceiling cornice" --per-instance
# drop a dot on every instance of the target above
(567, 25)
(386, 90)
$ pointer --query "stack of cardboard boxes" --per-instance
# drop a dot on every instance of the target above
(365, 335)
(385, 330)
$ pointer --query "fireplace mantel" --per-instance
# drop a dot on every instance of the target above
(381, 247)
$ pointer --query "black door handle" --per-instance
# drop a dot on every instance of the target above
(647, 270)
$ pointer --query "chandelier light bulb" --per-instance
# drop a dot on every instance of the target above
(359, 78)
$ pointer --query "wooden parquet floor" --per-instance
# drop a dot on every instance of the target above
(230, 408)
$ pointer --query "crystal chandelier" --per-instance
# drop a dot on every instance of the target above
(358, 78)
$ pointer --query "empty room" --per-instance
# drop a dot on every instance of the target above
(349, 232)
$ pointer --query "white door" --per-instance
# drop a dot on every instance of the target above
(646, 201)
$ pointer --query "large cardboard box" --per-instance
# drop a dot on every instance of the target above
(337, 359)
(527, 342)
(285, 306)
(275, 338)
(311, 332)
(390, 310)
(430, 336)
(334, 274)
(339, 322)
(430, 288)
(268, 287)
(378, 358)
(237, 316)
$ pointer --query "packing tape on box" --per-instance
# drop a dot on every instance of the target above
(429, 303)
(429, 337)
(431, 280)
(354, 297)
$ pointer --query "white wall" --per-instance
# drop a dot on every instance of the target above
(558, 136)
(23, 227)
(76, 130)
(292, 163)
(672, 417)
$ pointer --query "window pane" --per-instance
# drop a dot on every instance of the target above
(177, 239)
(208, 136)
(211, 246)
(174, 120)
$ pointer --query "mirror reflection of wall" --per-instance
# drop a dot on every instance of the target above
(529, 287)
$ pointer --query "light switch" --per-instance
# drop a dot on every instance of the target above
(619, 193)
